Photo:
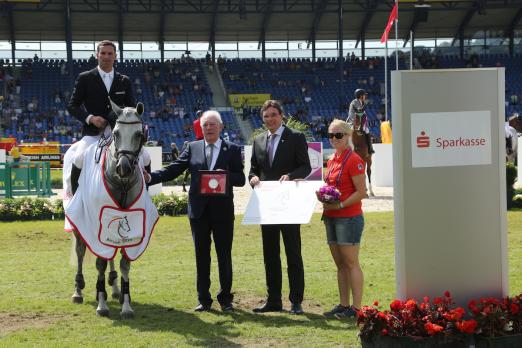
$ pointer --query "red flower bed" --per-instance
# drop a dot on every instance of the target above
(498, 317)
(441, 319)
(415, 319)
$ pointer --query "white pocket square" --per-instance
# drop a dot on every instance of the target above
(122, 92)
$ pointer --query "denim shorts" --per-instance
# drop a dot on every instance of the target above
(344, 230)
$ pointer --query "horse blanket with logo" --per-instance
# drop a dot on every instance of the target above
(101, 222)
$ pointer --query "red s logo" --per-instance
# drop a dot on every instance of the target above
(423, 140)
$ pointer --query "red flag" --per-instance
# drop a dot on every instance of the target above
(393, 16)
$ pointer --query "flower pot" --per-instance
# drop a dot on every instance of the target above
(512, 341)
(409, 342)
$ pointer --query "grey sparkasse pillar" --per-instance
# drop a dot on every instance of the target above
(450, 183)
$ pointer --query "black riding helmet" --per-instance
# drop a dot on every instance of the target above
(360, 92)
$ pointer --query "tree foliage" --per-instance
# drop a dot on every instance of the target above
(290, 122)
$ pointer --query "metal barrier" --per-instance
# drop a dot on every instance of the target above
(25, 179)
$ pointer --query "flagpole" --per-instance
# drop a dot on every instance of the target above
(386, 81)
(411, 49)
(396, 37)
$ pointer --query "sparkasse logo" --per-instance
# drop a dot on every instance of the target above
(466, 142)
(423, 140)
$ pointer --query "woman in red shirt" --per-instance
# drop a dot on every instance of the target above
(344, 220)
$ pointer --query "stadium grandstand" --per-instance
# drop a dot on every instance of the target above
(183, 56)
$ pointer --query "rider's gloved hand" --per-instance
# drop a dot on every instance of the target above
(98, 121)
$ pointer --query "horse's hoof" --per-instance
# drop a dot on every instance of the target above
(77, 299)
(115, 295)
(127, 315)
(102, 312)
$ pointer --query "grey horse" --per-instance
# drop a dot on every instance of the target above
(123, 177)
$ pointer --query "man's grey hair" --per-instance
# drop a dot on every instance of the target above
(208, 114)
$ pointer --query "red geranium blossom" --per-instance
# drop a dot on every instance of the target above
(433, 329)
(396, 305)
(514, 308)
(467, 326)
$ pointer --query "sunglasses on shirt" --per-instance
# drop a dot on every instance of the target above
(336, 135)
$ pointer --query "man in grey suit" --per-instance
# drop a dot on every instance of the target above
(280, 154)
(209, 215)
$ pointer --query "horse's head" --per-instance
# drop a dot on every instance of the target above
(128, 138)
(123, 225)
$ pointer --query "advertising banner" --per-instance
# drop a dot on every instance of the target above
(315, 152)
(42, 152)
(240, 100)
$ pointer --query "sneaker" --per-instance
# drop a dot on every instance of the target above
(337, 309)
(350, 312)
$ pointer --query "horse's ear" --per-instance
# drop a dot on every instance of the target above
(139, 108)
(115, 107)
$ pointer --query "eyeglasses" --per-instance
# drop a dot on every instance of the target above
(336, 135)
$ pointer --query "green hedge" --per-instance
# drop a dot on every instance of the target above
(12, 209)
(511, 178)
(171, 204)
(16, 209)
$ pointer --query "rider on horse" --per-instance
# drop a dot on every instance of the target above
(358, 109)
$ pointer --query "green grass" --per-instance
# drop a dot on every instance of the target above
(37, 281)
(56, 178)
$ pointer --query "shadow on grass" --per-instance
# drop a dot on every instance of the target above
(214, 328)
(282, 319)
(157, 318)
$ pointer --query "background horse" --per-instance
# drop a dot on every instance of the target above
(512, 133)
(124, 182)
(361, 148)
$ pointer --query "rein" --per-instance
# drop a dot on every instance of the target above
(127, 152)
(124, 184)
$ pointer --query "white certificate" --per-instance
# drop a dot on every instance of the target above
(286, 202)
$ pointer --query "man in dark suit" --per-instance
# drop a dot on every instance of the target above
(89, 101)
(280, 154)
(209, 214)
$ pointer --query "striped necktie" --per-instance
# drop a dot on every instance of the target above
(210, 153)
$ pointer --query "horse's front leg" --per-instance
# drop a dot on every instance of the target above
(369, 173)
(79, 282)
(113, 281)
(101, 294)
(126, 311)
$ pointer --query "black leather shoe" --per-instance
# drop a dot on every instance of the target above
(202, 308)
(296, 309)
(227, 307)
(269, 307)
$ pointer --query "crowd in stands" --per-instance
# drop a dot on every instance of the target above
(30, 119)
(34, 99)
(312, 93)
(309, 91)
